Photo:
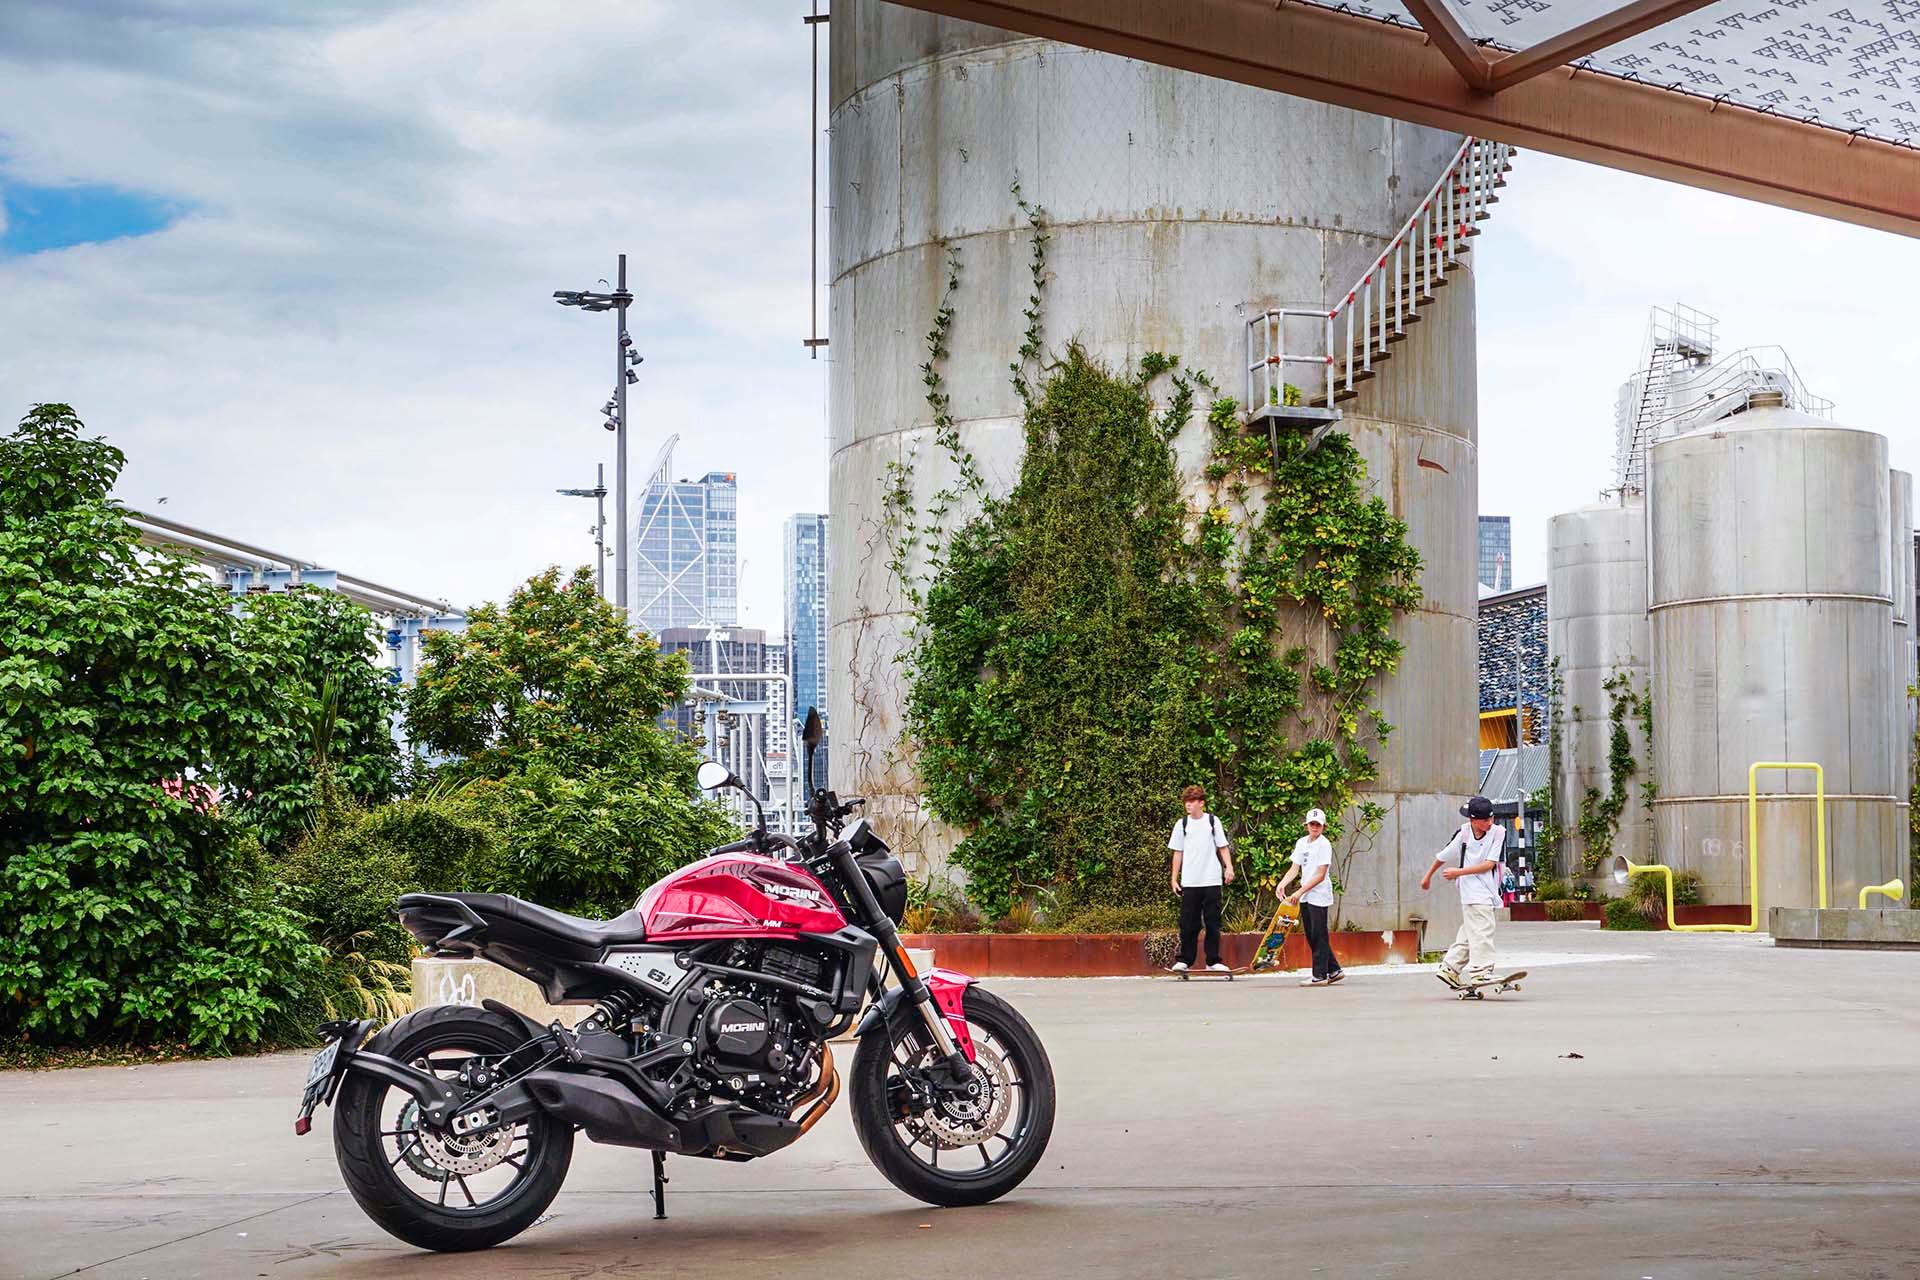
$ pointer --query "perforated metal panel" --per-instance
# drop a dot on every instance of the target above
(1852, 65)
(654, 966)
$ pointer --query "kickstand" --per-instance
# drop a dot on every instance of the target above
(660, 1181)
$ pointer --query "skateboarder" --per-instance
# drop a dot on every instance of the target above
(1202, 864)
(1313, 863)
(1474, 861)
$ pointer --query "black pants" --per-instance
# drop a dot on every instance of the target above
(1195, 904)
(1313, 920)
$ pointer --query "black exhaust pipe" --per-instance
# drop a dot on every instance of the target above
(604, 1109)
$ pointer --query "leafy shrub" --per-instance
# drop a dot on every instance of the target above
(1020, 917)
(938, 906)
(134, 909)
(1647, 890)
(1562, 909)
(1244, 915)
(1554, 890)
(1110, 918)
(1625, 913)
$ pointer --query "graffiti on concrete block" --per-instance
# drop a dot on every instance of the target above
(448, 991)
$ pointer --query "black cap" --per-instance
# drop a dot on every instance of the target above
(1478, 807)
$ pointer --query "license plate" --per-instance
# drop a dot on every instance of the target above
(323, 1063)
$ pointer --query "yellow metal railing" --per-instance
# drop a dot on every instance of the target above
(1895, 889)
(1623, 868)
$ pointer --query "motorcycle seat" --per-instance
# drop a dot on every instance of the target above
(624, 929)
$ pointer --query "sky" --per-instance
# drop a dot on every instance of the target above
(297, 261)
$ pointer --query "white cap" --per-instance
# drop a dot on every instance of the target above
(1314, 815)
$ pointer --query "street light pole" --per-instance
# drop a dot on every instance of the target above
(616, 408)
(622, 343)
(599, 494)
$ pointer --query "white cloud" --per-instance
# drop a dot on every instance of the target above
(348, 349)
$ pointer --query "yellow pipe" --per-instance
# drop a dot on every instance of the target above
(1753, 831)
(1895, 889)
(1624, 867)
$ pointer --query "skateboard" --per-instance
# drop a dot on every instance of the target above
(1507, 982)
(1184, 974)
(1285, 920)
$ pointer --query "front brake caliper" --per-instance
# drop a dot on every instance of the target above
(908, 1094)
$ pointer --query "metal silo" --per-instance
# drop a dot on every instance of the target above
(1597, 630)
(1178, 204)
(1771, 598)
(1900, 507)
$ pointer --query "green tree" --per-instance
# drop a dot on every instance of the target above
(130, 907)
(333, 718)
(555, 700)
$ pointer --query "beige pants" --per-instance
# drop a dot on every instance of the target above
(1472, 949)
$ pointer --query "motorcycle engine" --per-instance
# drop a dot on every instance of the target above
(741, 1033)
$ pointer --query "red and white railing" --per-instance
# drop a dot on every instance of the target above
(1389, 293)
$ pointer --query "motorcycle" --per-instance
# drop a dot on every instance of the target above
(713, 1002)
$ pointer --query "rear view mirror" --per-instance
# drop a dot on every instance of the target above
(813, 731)
(713, 774)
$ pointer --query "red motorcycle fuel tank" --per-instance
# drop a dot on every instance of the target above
(738, 895)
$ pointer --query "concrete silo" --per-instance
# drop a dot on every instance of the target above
(1771, 601)
(1597, 632)
(1900, 508)
(1177, 205)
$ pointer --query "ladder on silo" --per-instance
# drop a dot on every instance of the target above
(1679, 339)
(1347, 342)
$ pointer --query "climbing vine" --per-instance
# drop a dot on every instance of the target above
(1599, 819)
(1546, 799)
(1091, 641)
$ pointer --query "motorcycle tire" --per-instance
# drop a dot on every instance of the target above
(371, 1171)
(874, 1064)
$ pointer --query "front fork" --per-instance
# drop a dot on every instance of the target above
(956, 1051)
(940, 1011)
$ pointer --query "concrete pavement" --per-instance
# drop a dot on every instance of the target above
(1734, 1110)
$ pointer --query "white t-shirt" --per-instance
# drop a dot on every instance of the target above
(1310, 853)
(1199, 847)
(1482, 890)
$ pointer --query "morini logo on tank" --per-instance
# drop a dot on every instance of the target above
(793, 893)
(729, 1028)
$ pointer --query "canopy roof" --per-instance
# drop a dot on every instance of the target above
(1807, 104)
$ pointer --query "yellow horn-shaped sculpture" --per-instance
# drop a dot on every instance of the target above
(1895, 889)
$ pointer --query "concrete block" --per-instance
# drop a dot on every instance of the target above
(469, 982)
(1896, 927)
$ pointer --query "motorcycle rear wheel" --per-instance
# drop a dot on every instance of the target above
(987, 1154)
(518, 1180)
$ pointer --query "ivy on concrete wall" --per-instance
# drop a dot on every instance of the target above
(1600, 814)
(1092, 641)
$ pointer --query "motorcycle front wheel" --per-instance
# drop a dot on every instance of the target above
(428, 1186)
(960, 1150)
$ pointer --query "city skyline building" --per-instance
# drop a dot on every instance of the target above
(1496, 553)
(686, 555)
(806, 563)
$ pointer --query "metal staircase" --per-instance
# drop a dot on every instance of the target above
(1678, 341)
(1349, 341)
